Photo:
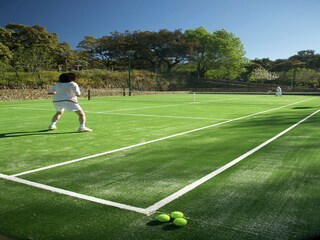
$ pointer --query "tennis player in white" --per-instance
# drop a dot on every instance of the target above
(279, 91)
(65, 97)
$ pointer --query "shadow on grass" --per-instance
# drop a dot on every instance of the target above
(154, 223)
(171, 227)
(315, 237)
(167, 226)
(302, 107)
(32, 133)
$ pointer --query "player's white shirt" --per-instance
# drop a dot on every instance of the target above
(279, 91)
(65, 92)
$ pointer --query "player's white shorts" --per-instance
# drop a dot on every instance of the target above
(67, 105)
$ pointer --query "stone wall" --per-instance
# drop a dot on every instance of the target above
(23, 94)
(35, 94)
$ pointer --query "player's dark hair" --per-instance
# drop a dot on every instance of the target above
(67, 77)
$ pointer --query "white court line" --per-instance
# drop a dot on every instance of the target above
(161, 106)
(157, 116)
(129, 114)
(153, 208)
(74, 194)
(152, 141)
(126, 109)
(195, 184)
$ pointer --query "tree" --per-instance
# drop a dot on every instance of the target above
(221, 52)
(143, 44)
(261, 74)
(266, 63)
(5, 57)
(308, 57)
(169, 47)
(87, 50)
(107, 51)
(114, 49)
(64, 56)
(201, 42)
(304, 77)
(32, 47)
(230, 60)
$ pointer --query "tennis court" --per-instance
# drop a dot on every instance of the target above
(239, 167)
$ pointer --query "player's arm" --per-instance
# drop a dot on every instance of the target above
(76, 90)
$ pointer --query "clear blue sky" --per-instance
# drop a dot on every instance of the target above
(274, 29)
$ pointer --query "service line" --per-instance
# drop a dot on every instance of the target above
(156, 116)
(130, 114)
(30, 107)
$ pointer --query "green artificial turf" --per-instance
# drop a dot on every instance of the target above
(272, 194)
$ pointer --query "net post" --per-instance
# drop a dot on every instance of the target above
(194, 96)
(89, 94)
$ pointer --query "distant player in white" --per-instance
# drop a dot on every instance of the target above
(65, 97)
(279, 91)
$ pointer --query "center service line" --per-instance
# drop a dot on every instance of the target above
(151, 141)
(153, 208)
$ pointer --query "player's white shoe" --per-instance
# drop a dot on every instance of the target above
(84, 129)
(52, 127)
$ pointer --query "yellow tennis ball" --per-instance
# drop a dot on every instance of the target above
(176, 214)
(163, 218)
(180, 222)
